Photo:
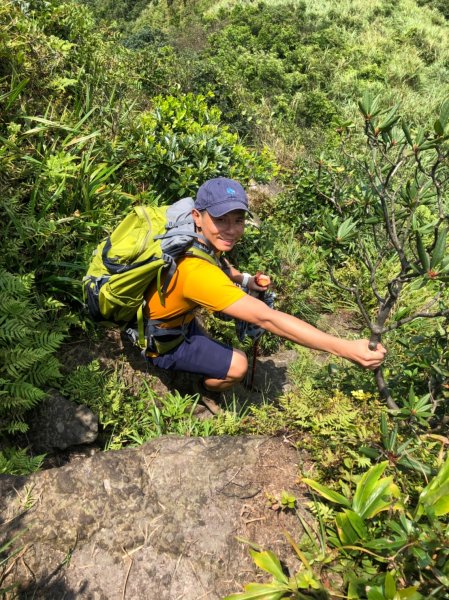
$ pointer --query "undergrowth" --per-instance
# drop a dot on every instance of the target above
(127, 418)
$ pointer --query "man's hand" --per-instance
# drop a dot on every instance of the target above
(259, 282)
(358, 351)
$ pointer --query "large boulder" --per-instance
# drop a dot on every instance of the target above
(155, 522)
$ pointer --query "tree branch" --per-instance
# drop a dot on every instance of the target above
(422, 315)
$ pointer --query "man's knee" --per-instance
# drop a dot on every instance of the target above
(239, 365)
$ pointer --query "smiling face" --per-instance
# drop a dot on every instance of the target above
(221, 232)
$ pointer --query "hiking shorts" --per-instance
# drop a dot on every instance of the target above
(197, 354)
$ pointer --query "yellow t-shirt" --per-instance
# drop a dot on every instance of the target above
(196, 282)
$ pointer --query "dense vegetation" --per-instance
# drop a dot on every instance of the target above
(342, 109)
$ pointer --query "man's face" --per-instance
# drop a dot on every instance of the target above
(221, 232)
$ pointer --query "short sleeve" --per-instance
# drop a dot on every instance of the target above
(207, 285)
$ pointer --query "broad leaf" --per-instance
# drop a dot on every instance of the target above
(374, 594)
(350, 526)
(438, 127)
(327, 492)
(390, 119)
(410, 593)
(444, 114)
(261, 591)
(389, 587)
(369, 104)
(435, 496)
(306, 579)
(407, 133)
(371, 490)
(270, 563)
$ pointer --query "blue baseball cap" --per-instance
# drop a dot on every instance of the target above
(221, 195)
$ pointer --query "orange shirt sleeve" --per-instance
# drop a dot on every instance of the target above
(207, 285)
(196, 282)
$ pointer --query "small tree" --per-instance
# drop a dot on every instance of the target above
(390, 213)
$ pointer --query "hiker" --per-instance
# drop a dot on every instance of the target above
(219, 213)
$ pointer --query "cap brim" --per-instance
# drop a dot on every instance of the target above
(219, 210)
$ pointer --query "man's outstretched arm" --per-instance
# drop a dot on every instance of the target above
(291, 328)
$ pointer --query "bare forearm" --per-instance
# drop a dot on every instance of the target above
(298, 331)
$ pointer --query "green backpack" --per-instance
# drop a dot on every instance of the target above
(143, 246)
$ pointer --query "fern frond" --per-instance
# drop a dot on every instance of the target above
(47, 372)
(15, 285)
(9, 404)
(28, 344)
(18, 361)
(21, 389)
(14, 426)
(17, 462)
(47, 341)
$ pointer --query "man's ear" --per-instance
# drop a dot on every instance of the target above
(196, 217)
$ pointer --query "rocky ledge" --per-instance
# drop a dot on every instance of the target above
(156, 522)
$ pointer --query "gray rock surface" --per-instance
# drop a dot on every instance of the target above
(59, 423)
(157, 522)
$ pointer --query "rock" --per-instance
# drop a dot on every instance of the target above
(155, 522)
(59, 423)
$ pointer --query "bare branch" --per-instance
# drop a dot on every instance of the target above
(372, 271)
(355, 292)
(382, 195)
(421, 315)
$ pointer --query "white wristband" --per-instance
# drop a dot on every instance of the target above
(245, 280)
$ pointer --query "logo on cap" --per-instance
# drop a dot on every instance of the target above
(231, 191)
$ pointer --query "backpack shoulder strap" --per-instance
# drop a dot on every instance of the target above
(200, 251)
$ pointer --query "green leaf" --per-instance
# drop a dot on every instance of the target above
(13, 94)
(82, 139)
(48, 123)
(357, 523)
(441, 506)
(374, 594)
(444, 114)
(390, 119)
(435, 496)
(260, 591)
(389, 586)
(406, 131)
(306, 579)
(369, 496)
(423, 256)
(350, 526)
(410, 593)
(369, 105)
(270, 563)
(439, 249)
(416, 465)
(327, 492)
(438, 127)
(370, 452)
(346, 230)
(428, 145)
(423, 557)
(367, 484)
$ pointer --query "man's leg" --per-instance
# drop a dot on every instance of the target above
(221, 365)
(236, 373)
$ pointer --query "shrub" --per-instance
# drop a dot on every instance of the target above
(181, 143)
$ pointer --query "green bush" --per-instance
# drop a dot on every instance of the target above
(181, 143)
(133, 418)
